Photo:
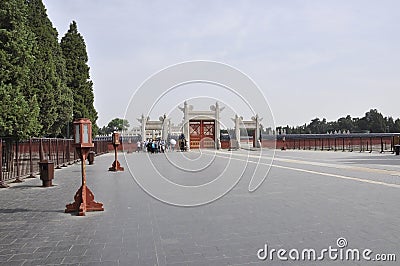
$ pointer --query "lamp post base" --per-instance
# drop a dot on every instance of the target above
(17, 180)
(116, 166)
(84, 202)
(3, 184)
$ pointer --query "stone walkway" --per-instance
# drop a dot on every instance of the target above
(292, 209)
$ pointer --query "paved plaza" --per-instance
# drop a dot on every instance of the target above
(309, 200)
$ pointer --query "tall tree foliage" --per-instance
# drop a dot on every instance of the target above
(18, 116)
(117, 124)
(373, 122)
(37, 90)
(77, 75)
(49, 80)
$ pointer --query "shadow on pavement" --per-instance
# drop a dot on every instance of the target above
(16, 210)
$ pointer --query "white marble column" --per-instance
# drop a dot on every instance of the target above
(217, 127)
(237, 130)
(169, 126)
(164, 131)
(257, 132)
(186, 123)
(142, 121)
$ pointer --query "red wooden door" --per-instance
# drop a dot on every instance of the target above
(202, 134)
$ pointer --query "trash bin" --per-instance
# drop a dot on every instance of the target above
(46, 169)
(91, 157)
(397, 149)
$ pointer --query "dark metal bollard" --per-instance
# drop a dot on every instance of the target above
(397, 149)
(91, 157)
(46, 172)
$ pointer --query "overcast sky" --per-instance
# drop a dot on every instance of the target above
(310, 58)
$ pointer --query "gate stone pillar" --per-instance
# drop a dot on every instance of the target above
(237, 121)
(217, 127)
(186, 123)
(257, 141)
(164, 131)
(169, 127)
(142, 121)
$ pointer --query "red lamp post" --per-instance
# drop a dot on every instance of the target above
(84, 198)
(116, 166)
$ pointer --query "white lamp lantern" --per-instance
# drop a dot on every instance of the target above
(83, 133)
(115, 138)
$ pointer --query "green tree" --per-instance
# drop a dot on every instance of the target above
(77, 75)
(18, 116)
(102, 131)
(390, 125)
(396, 127)
(373, 121)
(346, 123)
(49, 72)
(117, 124)
(318, 126)
(315, 126)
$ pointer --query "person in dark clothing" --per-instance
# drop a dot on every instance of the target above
(149, 146)
(182, 142)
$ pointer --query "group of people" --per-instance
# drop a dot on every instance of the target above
(155, 146)
(159, 145)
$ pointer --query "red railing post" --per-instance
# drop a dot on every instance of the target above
(41, 150)
(361, 145)
(63, 153)
(342, 144)
(392, 144)
(49, 156)
(351, 145)
(69, 152)
(75, 156)
(30, 160)
(17, 178)
(334, 142)
(57, 155)
(370, 141)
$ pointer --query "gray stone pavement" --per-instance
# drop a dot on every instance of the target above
(300, 205)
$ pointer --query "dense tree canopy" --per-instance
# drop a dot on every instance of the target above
(19, 116)
(77, 75)
(48, 72)
(373, 122)
(117, 124)
(39, 78)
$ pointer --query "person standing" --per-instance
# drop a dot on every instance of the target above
(162, 146)
(172, 143)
